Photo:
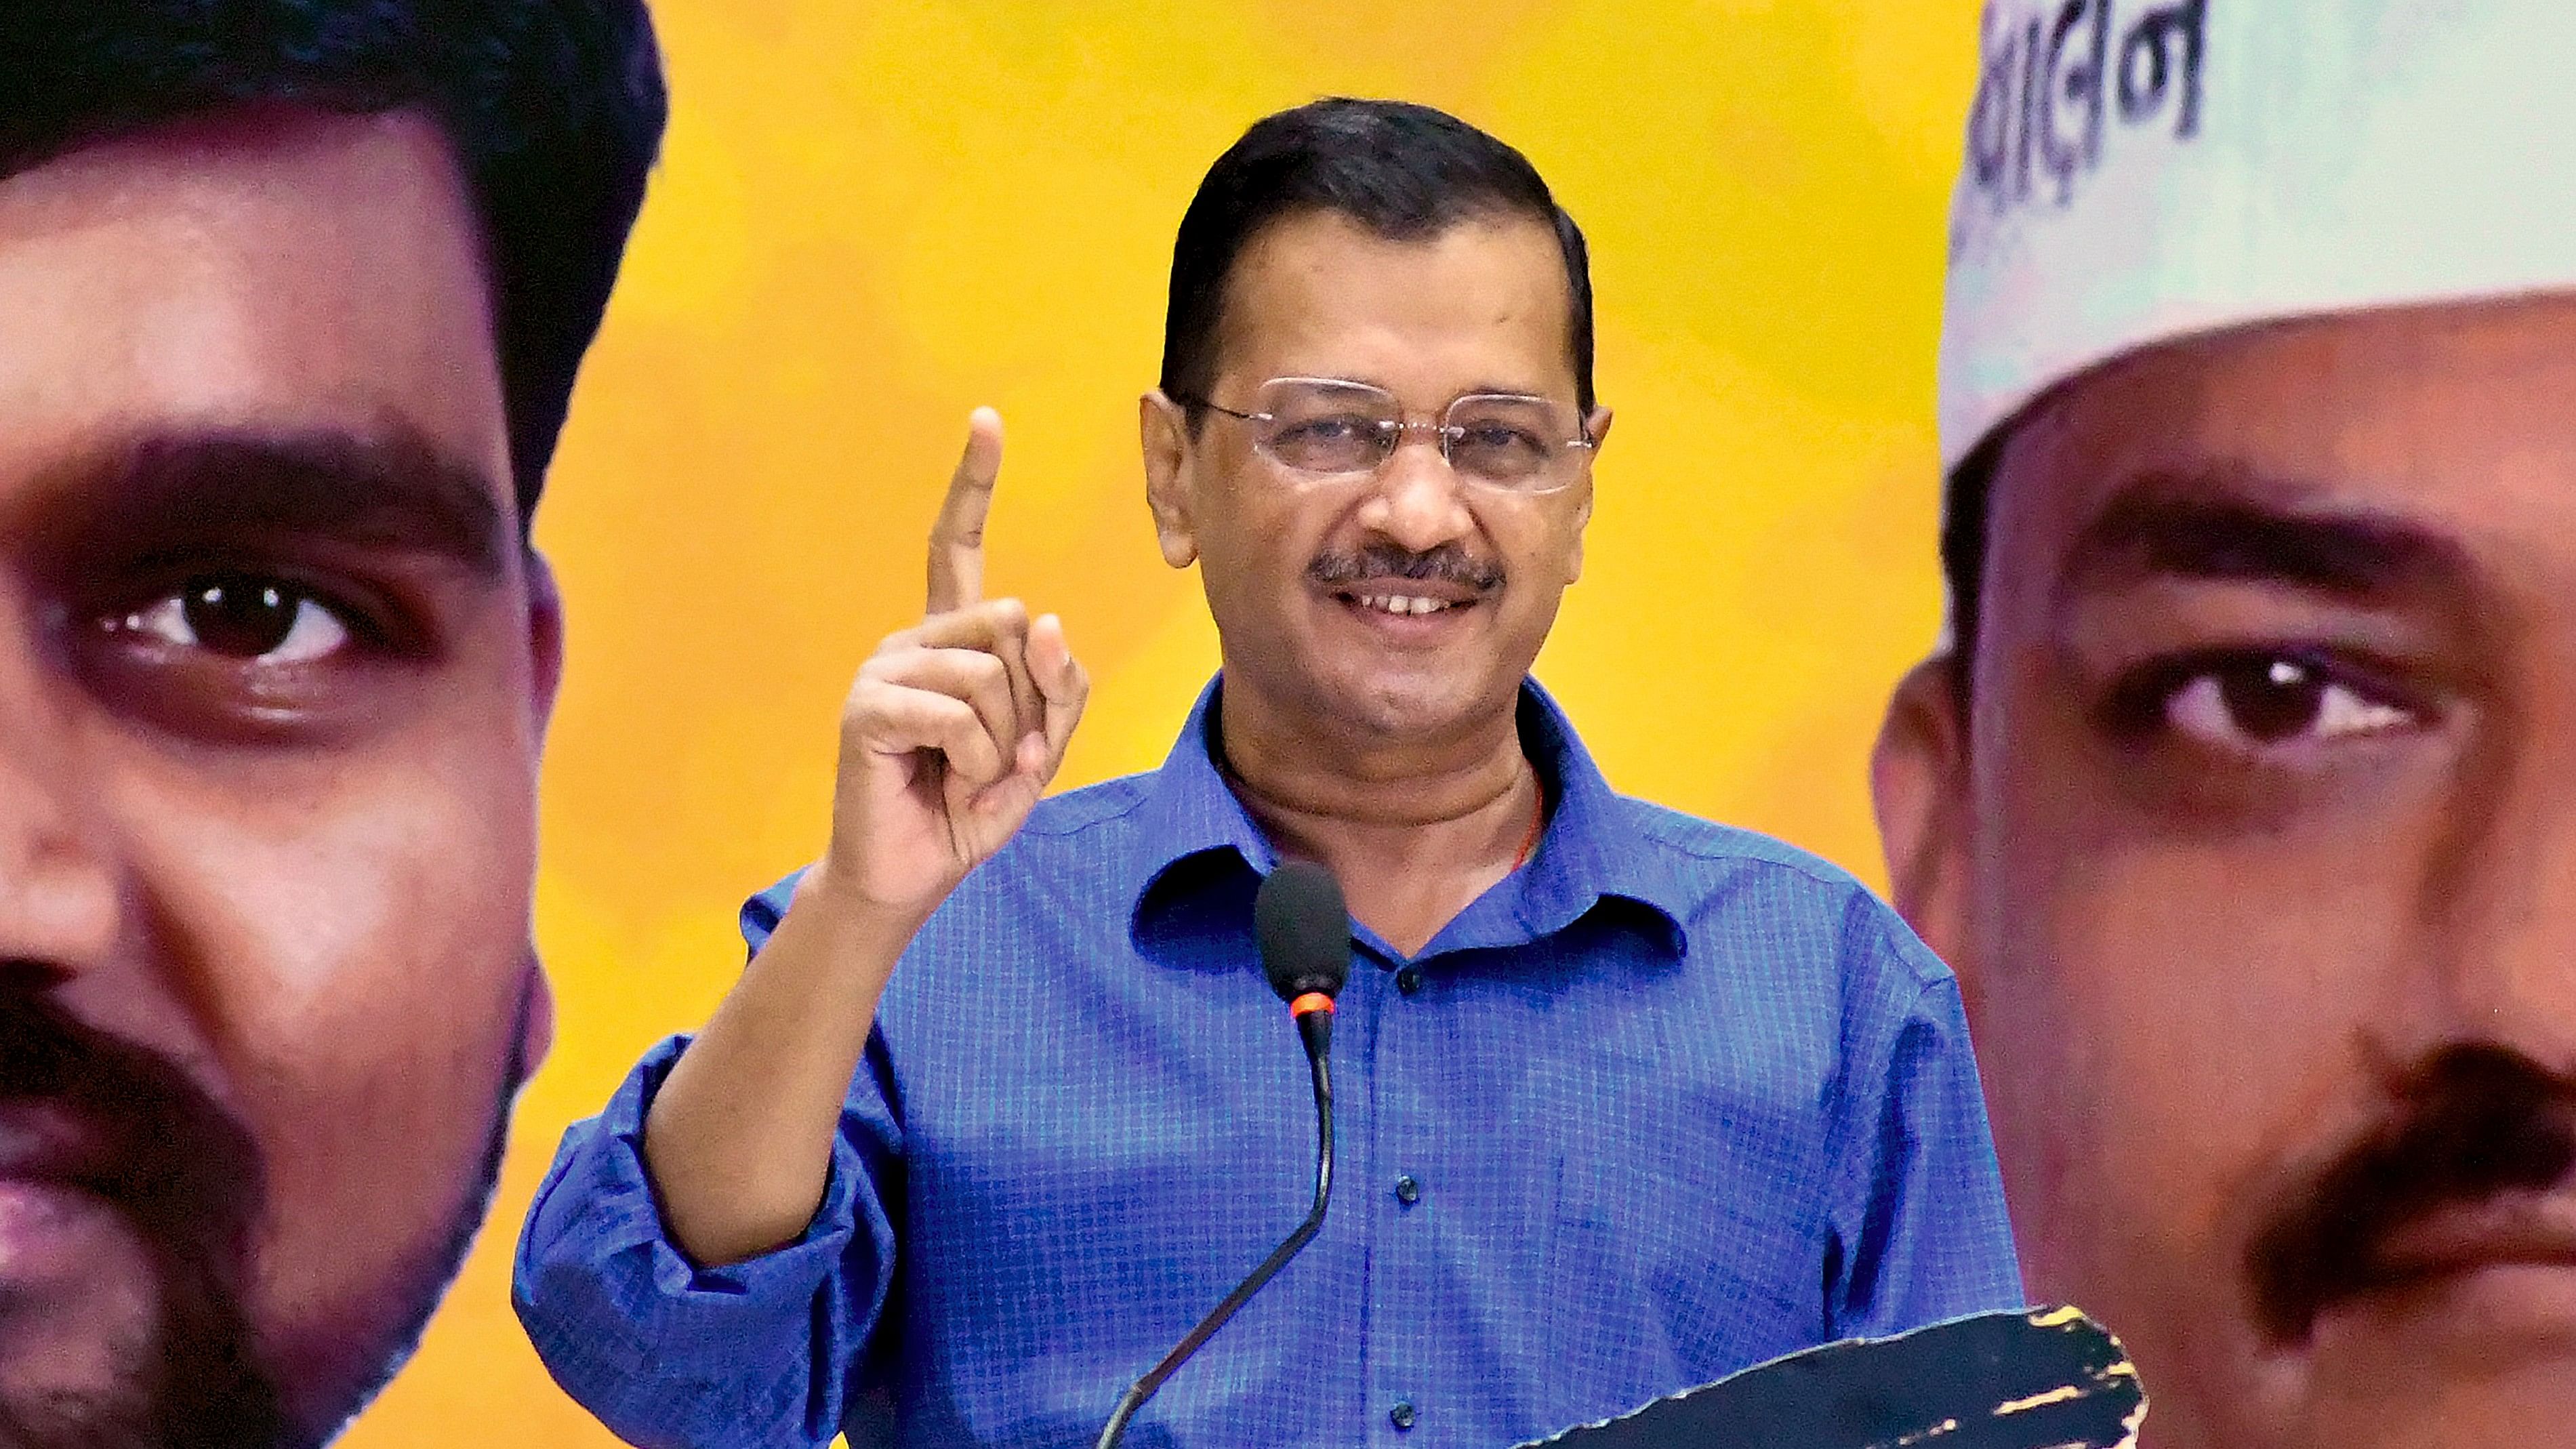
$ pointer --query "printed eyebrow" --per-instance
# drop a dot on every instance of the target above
(391, 488)
(2234, 527)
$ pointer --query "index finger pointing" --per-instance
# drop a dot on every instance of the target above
(957, 539)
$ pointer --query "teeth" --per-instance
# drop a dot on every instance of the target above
(1402, 604)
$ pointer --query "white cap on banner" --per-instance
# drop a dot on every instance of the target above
(2141, 170)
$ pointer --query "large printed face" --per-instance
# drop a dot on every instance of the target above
(274, 670)
(1295, 568)
(2257, 858)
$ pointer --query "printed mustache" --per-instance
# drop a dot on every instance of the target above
(1448, 564)
(187, 1177)
(171, 1160)
(2470, 1124)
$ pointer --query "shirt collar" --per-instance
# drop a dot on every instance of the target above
(1589, 855)
(1189, 809)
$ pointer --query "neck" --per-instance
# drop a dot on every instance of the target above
(1415, 830)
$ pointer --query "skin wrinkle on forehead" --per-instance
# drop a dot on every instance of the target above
(1286, 251)
(160, 251)
(1275, 248)
(2017, 444)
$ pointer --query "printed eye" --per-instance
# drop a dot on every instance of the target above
(243, 617)
(2247, 705)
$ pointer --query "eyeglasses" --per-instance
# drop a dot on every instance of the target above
(1328, 428)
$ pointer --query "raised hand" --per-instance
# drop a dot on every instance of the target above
(955, 725)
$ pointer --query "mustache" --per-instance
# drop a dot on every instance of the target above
(174, 1160)
(187, 1176)
(2469, 1124)
(1342, 570)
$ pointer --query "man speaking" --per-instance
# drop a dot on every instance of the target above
(1002, 1104)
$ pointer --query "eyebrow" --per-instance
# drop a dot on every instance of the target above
(2233, 526)
(1480, 390)
(392, 488)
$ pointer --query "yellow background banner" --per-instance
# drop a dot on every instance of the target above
(872, 217)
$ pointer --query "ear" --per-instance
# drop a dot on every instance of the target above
(1597, 428)
(545, 680)
(536, 1022)
(545, 637)
(1165, 433)
(1918, 782)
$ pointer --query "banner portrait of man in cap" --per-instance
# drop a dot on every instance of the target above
(2242, 794)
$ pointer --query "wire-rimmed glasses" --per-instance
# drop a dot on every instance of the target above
(1323, 427)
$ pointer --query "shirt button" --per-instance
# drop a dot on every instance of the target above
(1407, 1191)
(1409, 980)
(1401, 1416)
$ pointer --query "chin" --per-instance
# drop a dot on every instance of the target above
(1404, 714)
(1411, 704)
(2402, 1398)
(333, 1366)
(2521, 1408)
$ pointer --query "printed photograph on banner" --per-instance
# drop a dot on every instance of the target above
(291, 303)
(2239, 795)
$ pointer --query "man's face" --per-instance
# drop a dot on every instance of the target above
(273, 675)
(2258, 860)
(1297, 567)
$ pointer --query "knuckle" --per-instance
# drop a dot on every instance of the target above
(865, 713)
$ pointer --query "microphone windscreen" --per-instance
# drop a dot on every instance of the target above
(1303, 930)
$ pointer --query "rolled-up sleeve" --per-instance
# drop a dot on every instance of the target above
(1920, 1217)
(754, 1355)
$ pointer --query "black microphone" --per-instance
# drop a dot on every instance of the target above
(1304, 932)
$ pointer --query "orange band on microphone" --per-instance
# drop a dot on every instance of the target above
(1310, 1003)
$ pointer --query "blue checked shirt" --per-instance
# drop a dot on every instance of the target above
(1671, 1100)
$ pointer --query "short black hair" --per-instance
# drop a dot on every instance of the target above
(555, 109)
(1967, 501)
(1404, 172)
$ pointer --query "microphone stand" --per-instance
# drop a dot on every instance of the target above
(1315, 1029)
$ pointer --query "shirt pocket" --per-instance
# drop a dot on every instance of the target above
(1607, 1349)
(1655, 1284)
